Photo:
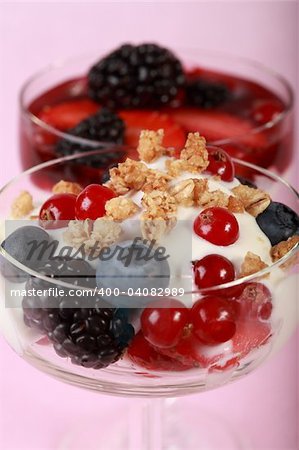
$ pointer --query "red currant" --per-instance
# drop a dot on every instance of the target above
(213, 270)
(57, 210)
(142, 353)
(231, 293)
(217, 225)
(213, 320)
(220, 163)
(255, 301)
(265, 111)
(91, 202)
(163, 322)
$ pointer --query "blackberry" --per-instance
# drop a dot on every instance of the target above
(105, 126)
(141, 76)
(74, 271)
(205, 94)
(92, 337)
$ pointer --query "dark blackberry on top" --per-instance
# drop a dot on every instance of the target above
(105, 126)
(93, 336)
(206, 94)
(138, 76)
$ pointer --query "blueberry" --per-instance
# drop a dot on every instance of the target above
(132, 266)
(106, 173)
(278, 222)
(29, 246)
(121, 329)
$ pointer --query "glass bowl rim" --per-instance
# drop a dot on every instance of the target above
(244, 60)
(260, 274)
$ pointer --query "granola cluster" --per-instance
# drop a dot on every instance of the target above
(159, 202)
(254, 200)
(150, 145)
(195, 192)
(129, 175)
(159, 205)
(22, 205)
(252, 264)
(92, 235)
(159, 216)
(175, 167)
(193, 157)
(184, 192)
(283, 247)
(67, 187)
(235, 205)
(155, 229)
(121, 208)
(161, 193)
(156, 180)
(135, 175)
(195, 154)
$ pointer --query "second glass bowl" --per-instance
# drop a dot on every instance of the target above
(267, 145)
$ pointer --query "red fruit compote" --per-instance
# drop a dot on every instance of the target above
(253, 122)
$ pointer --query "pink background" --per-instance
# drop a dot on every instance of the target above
(35, 409)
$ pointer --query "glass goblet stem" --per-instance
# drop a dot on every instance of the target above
(146, 424)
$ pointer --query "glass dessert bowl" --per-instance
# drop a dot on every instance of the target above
(229, 300)
(237, 104)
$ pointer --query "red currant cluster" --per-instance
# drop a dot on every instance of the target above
(89, 204)
(173, 337)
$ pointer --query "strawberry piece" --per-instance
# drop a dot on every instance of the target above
(190, 351)
(250, 334)
(66, 115)
(143, 354)
(218, 125)
(136, 120)
(264, 111)
(229, 364)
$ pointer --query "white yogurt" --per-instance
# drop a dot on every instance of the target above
(251, 239)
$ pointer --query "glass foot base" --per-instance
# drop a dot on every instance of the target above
(154, 424)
